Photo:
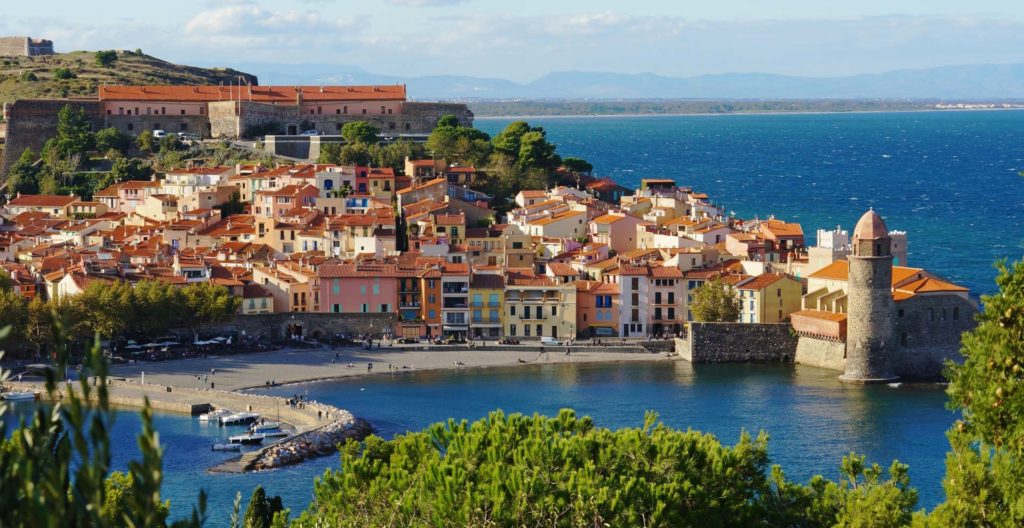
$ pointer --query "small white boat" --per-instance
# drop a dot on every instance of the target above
(214, 416)
(265, 427)
(226, 447)
(239, 418)
(18, 396)
(276, 434)
(246, 439)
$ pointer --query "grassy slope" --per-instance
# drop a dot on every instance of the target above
(129, 69)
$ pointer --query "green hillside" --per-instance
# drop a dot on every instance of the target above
(17, 74)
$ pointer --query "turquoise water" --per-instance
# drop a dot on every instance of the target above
(813, 420)
(947, 178)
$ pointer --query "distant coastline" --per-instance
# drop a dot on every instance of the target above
(550, 109)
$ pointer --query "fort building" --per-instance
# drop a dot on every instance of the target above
(24, 47)
(230, 112)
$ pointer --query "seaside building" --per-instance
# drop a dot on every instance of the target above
(538, 306)
(875, 321)
(487, 292)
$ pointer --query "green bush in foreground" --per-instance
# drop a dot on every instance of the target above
(534, 471)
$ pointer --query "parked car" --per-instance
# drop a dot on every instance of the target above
(159, 134)
(310, 133)
(549, 341)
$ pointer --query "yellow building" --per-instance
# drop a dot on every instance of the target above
(538, 306)
(486, 296)
(769, 298)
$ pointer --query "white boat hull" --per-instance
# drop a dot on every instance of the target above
(19, 396)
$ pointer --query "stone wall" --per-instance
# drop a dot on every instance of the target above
(737, 343)
(252, 115)
(13, 46)
(821, 353)
(172, 124)
(274, 326)
(30, 122)
(223, 116)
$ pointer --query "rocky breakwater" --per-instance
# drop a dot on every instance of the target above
(317, 442)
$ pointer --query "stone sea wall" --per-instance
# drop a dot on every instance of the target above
(821, 353)
(737, 343)
(318, 442)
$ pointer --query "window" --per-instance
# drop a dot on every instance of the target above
(526, 312)
(362, 290)
(385, 308)
(956, 313)
(163, 110)
(202, 110)
(554, 311)
(671, 297)
(183, 111)
(554, 331)
(635, 283)
(376, 289)
(364, 110)
(512, 330)
(336, 286)
(657, 298)
(431, 314)
(585, 316)
(365, 308)
(526, 330)
(943, 314)
(511, 310)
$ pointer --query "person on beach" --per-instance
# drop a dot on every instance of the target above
(369, 367)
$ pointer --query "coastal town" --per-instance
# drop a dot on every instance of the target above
(426, 250)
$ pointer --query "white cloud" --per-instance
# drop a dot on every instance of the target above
(249, 24)
(425, 3)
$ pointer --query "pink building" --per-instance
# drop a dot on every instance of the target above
(363, 287)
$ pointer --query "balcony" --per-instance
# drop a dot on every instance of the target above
(450, 287)
(449, 303)
(455, 319)
(413, 304)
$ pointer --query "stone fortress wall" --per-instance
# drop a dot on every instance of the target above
(24, 47)
(737, 343)
(31, 122)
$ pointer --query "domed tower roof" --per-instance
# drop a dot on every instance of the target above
(870, 227)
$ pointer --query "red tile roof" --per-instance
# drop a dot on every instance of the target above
(262, 94)
(41, 200)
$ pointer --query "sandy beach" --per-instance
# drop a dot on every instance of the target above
(242, 371)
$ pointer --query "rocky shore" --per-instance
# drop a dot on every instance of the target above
(318, 442)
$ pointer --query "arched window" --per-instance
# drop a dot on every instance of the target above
(328, 184)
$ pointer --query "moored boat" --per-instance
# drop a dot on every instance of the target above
(246, 439)
(226, 447)
(18, 396)
(239, 418)
(214, 416)
(265, 427)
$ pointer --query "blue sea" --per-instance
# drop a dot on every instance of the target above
(949, 179)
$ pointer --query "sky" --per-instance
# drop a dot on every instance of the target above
(522, 40)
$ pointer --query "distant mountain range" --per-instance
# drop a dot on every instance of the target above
(968, 82)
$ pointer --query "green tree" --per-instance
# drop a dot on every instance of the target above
(359, 132)
(120, 493)
(535, 151)
(105, 58)
(577, 165)
(23, 176)
(107, 307)
(128, 169)
(205, 303)
(355, 154)
(330, 153)
(233, 206)
(508, 140)
(63, 74)
(74, 133)
(447, 120)
(111, 138)
(39, 326)
(984, 480)
(145, 142)
(14, 314)
(261, 510)
(156, 307)
(29, 77)
(715, 302)
(55, 467)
